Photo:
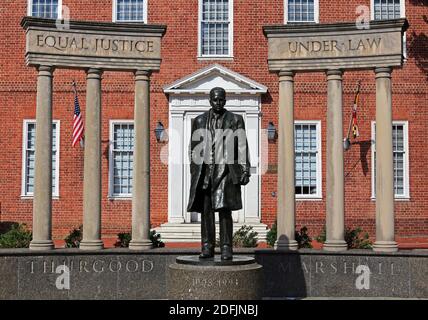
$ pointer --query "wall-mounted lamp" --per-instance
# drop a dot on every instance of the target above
(346, 144)
(271, 131)
(160, 132)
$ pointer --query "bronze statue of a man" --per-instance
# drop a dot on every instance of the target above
(219, 165)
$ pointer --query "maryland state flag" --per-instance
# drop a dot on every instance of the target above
(355, 132)
(353, 121)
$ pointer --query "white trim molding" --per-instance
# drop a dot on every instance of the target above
(24, 193)
(406, 175)
(30, 8)
(318, 195)
(145, 15)
(316, 13)
(215, 57)
(111, 194)
(196, 83)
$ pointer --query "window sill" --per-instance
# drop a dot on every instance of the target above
(24, 197)
(300, 22)
(120, 198)
(130, 21)
(403, 199)
(315, 198)
(205, 58)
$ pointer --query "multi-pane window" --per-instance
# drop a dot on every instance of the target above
(400, 159)
(29, 155)
(301, 10)
(216, 20)
(307, 155)
(130, 10)
(121, 159)
(45, 8)
(387, 9)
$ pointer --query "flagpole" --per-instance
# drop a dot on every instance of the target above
(73, 84)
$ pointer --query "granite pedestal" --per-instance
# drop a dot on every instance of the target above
(191, 278)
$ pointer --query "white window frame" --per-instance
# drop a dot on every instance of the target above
(318, 195)
(402, 15)
(402, 9)
(111, 193)
(24, 193)
(215, 57)
(30, 8)
(145, 15)
(316, 13)
(406, 184)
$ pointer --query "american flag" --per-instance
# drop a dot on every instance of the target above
(77, 120)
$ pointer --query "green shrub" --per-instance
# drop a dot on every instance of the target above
(74, 238)
(271, 235)
(6, 226)
(353, 238)
(17, 237)
(303, 239)
(245, 237)
(124, 239)
(322, 237)
(156, 239)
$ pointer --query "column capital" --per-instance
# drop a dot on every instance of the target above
(142, 75)
(334, 74)
(94, 73)
(383, 72)
(286, 75)
(46, 71)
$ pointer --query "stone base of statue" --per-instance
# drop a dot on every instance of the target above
(191, 278)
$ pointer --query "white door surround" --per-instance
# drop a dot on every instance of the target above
(188, 97)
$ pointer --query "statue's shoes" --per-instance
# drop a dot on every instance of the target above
(226, 253)
(206, 255)
(206, 252)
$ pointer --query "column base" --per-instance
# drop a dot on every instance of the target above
(335, 245)
(42, 245)
(140, 245)
(385, 246)
(286, 245)
(91, 245)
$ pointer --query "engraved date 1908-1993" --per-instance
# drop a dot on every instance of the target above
(207, 283)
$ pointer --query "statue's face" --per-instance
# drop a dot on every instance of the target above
(217, 100)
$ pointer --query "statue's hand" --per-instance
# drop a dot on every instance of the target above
(244, 179)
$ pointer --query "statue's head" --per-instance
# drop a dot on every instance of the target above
(217, 99)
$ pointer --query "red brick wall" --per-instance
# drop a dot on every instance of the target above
(179, 53)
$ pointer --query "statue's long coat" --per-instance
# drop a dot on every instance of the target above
(226, 188)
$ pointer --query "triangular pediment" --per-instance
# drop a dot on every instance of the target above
(212, 76)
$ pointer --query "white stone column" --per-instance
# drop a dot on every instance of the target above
(286, 219)
(335, 226)
(92, 167)
(141, 173)
(252, 214)
(42, 202)
(385, 238)
(178, 163)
